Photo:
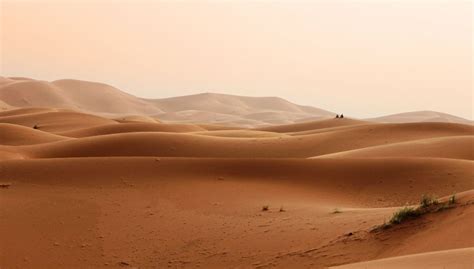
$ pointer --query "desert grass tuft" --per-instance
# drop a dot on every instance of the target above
(452, 199)
(428, 200)
(428, 204)
(403, 214)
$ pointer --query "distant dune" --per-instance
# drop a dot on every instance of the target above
(313, 125)
(267, 110)
(421, 116)
(204, 108)
(73, 94)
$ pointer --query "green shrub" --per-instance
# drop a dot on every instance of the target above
(404, 213)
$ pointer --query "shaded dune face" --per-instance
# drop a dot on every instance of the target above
(81, 190)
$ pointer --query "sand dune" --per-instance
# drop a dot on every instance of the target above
(106, 100)
(11, 134)
(235, 110)
(4, 106)
(456, 147)
(428, 233)
(73, 94)
(233, 104)
(137, 118)
(23, 111)
(132, 128)
(421, 116)
(457, 258)
(173, 207)
(313, 125)
(55, 121)
(241, 133)
(192, 145)
(211, 108)
(87, 191)
(386, 179)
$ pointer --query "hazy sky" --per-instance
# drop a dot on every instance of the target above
(363, 58)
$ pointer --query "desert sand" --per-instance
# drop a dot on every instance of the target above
(206, 108)
(85, 184)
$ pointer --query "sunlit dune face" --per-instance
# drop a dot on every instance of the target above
(363, 58)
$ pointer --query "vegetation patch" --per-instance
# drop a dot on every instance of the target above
(452, 199)
(403, 214)
(427, 204)
(428, 200)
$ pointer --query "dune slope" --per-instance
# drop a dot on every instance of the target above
(169, 217)
(14, 135)
(193, 145)
(456, 147)
(73, 94)
(456, 258)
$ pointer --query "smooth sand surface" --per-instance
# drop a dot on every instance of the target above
(421, 116)
(87, 191)
(73, 94)
(455, 147)
(457, 258)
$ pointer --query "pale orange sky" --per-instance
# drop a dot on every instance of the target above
(363, 58)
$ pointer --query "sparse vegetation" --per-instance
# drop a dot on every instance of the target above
(427, 200)
(282, 209)
(404, 213)
(336, 211)
(35, 126)
(265, 208)
(428, 204)
(452, 199)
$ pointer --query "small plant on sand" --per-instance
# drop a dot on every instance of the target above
(428, 204)
(265, 208)
(282, 209)
(35, 126)
(336, 211)
(403, 214)
(452, 199)
(428, 200)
